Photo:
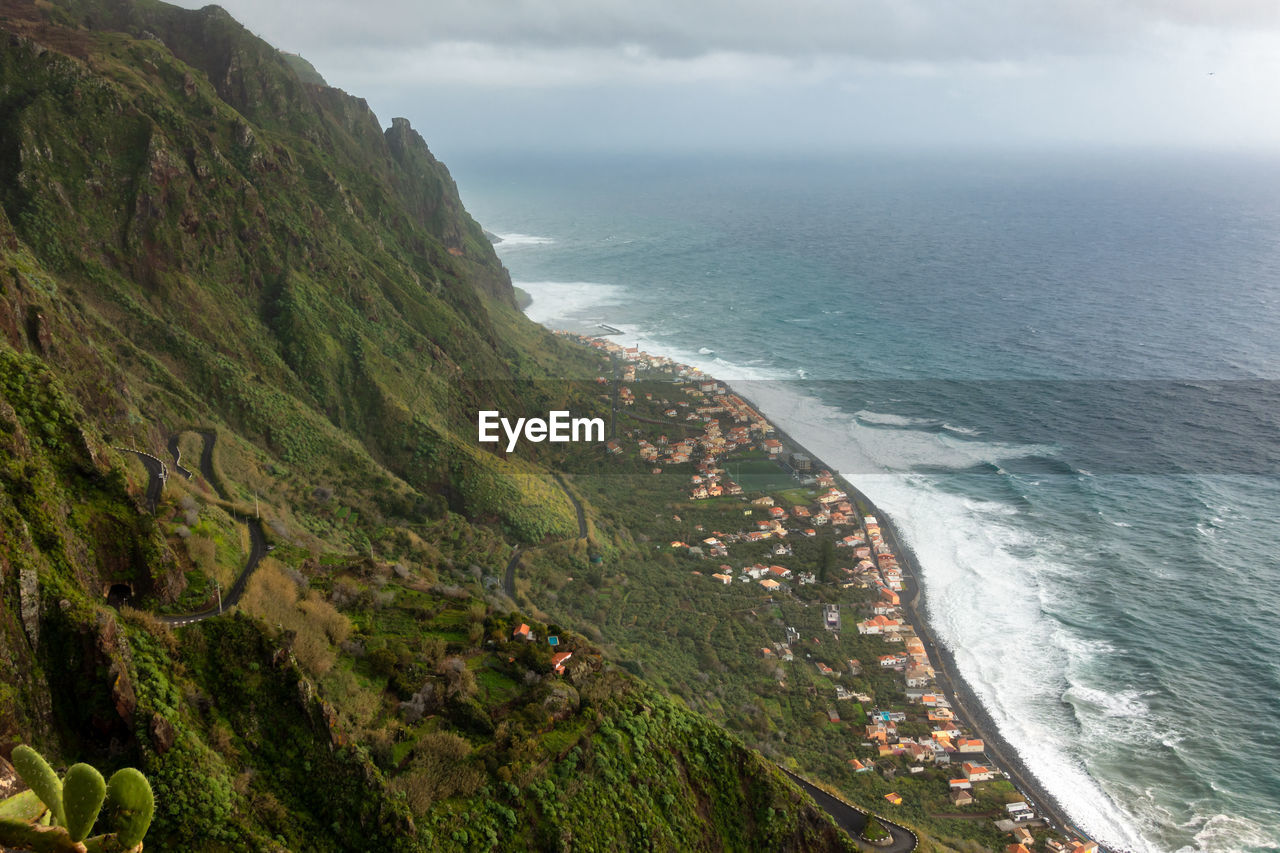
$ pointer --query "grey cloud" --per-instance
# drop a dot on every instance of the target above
(827, 74)
(882, 30)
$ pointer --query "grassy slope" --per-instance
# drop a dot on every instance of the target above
(191, 236)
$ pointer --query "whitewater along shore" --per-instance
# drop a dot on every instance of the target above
(969, 710)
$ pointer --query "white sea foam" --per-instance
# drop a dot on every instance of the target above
(558, 303)
(888, 419)
(1225, 833)
(515, 240)
(985, 605)
(657, 343)
(1126, 703)
(983, 599)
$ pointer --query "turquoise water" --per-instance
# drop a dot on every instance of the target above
(1056, 373)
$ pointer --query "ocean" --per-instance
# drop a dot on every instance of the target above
(1056, 372)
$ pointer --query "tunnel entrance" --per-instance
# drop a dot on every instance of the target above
(119, 594)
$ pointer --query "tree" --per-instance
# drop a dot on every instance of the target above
(826, 559)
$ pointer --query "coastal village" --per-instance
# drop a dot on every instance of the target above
(894, 695)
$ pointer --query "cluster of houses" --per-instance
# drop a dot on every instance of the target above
(769, 577)
(1024, 841)
(876, 564)
(948, 743)
(630, 355)
(876, 568)
(708, 481)
(558, 659)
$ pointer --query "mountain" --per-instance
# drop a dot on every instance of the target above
(217, 268)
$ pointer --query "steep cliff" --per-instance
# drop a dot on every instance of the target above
(216, 268)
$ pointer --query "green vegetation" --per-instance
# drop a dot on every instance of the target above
(56, 815)
(306, 72)
(759, 475)
(874, 831)
(653, 607)
(200, 243)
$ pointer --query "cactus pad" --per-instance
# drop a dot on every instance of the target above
(132, 805)
(37, 773)
(83, 791)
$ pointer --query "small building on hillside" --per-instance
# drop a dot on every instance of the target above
(977, 772)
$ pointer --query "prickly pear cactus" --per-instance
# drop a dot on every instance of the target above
(39, 776)
(56, 815)
(83, 791)
(132, 804)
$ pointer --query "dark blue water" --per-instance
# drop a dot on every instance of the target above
(1058, 374)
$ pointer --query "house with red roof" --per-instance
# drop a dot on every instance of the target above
(879, 624)
(977, 772)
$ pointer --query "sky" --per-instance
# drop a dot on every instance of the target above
(796, 76)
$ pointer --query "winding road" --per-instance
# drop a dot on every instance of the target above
(577, 505)
(206, 463)
(157, 473)
(852, 820)
(176, 453)
(257, 550)
(509, 579)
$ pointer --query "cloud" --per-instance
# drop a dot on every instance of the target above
(879, 30)
(491, 66)
(824, 71)
(487, 66)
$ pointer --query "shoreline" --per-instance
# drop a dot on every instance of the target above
(969, 709)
